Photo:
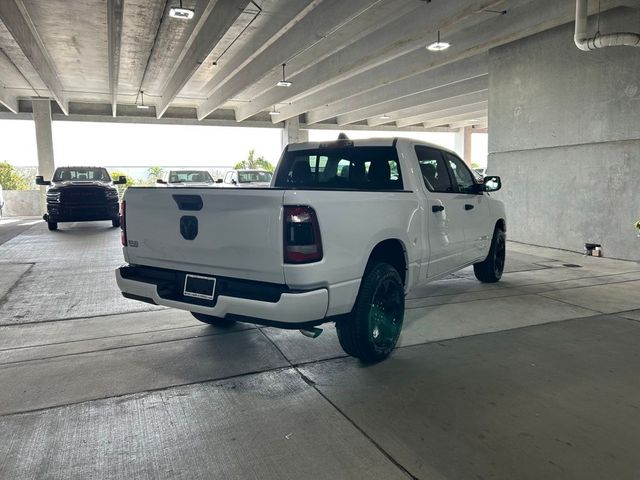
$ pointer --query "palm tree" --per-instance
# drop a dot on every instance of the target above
(252, 162)
(155, 172)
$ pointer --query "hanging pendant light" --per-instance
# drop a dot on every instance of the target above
(142, 106)
(274, 112)
(284, 82)
(181, 13)
(439, 45)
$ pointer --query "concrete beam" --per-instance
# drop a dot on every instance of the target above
(431, 115)
(288, 13)
(524, 19)
(9, 99)
(476, 123)
(433, 95)
(115, 10)
(313, 28)
(467, 76)
(460, 101)
(15, 17)
(455, 119)
(410, 31)
(212, 26)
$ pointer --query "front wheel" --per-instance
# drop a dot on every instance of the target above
(115, 222)
(52, 225)
(490, 270)
(372, 329)
(211, 320)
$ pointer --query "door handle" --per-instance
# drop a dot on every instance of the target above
(437, 208)
(468, 206)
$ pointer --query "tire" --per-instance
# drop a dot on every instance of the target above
(211, 320)
(490, 270)
(115, 222)
(52, 225)
(370, 332)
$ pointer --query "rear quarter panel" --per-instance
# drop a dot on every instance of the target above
(351, 225)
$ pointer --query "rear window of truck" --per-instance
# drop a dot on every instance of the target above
(352, 168)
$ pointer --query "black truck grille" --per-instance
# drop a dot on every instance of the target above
(83, 195)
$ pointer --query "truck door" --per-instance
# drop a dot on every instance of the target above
(472, 205)
(444, 222)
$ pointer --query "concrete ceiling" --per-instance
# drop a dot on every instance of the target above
(351, 63)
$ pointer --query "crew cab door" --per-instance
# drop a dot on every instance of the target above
(473, 206)
(445, 230)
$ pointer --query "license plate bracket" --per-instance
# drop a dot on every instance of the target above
(199, 286)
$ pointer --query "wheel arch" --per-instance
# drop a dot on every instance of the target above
(501, 225)
(393, 252)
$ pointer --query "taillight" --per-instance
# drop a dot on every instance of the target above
(123, 224)
(302, 243)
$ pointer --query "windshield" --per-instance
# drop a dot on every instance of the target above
(81, 174)
(249, 177)
(362, 168)
(190, 176)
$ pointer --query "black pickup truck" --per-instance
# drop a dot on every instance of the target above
(81, 194)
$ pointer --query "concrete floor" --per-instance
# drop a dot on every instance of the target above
(534, 377)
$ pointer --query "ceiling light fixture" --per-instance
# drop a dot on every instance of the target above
(142, 106)
(438, 46)
(274, 112)
(384, 117)
(181, 12)
(284, 82)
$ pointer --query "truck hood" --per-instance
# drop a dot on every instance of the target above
(81, 184)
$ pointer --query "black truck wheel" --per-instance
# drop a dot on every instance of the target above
(372, 329)
(490, 270)
(52, 225)
(211, 320)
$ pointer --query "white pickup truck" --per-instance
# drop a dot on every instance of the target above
(344, 232)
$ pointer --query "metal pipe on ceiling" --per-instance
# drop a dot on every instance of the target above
(586, 42)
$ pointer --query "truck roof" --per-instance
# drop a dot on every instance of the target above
(367, 142)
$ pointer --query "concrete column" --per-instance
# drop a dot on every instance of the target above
(44, 141)
(463, 143)
(291, 132)
(467, 144)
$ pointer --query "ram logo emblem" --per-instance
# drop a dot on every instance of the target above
(189, 227)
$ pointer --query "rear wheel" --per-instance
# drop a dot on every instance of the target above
(52, 225)
(115, 222)
(490, 271)
(372, 329)
(211, 320)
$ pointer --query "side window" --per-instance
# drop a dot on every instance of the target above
(461, 174)
(434, 171)
(227, 177)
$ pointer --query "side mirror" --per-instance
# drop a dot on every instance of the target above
(492, 184)
(41, 181)
(219, 180)
(233, 180)
(159, 180)
(122, 180)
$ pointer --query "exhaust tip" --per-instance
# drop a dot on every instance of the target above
(311, 332)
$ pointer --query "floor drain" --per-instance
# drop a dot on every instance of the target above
(571, 265)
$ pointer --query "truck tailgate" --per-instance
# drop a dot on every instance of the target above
(239, 231)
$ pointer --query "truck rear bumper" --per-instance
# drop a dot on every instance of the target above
(291, 310)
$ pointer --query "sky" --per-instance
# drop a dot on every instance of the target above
(135, 145)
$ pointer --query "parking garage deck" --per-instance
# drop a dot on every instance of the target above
(533, 377)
